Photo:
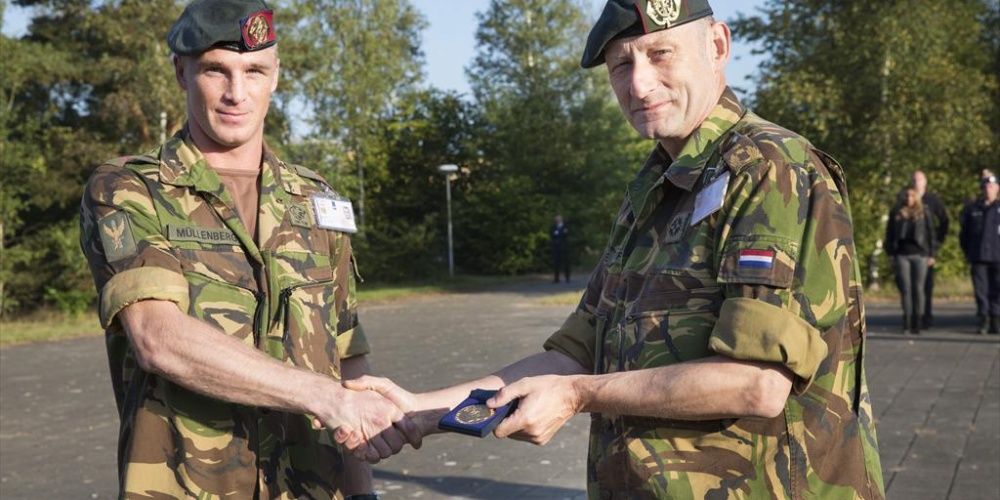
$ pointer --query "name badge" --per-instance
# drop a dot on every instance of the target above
(334, 213)
(710, 199)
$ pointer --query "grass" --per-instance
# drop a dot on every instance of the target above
(48, 325)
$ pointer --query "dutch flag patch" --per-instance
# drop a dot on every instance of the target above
(759, 259)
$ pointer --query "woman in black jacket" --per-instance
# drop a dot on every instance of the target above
(910, 243)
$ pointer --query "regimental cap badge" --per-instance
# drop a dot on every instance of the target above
(258, 30)
(662, 12)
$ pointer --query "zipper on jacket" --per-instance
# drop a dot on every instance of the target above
(258, 318)
(284, 298)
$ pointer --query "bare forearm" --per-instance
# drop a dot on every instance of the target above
(194, 355)
(544, 363)
(700, 390)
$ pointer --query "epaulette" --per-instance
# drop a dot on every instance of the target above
(309, 174)
(739, 152)
(143, 164)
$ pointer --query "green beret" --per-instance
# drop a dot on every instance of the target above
(625, 18)
(239, 25)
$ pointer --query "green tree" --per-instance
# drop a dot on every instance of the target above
(88, 82)
(553, 141)
(887, 88)
(406, 235)
(345, 63)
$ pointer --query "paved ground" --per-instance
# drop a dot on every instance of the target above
(937, 399)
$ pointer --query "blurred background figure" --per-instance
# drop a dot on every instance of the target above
(980, 240)
(936, 208)
(560, 249)
(910, 243)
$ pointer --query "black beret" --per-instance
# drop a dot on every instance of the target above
(624, 18)
(240, 25)
(989, 179)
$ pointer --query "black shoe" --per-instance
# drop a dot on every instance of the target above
(995, 324)
(928, 321)
(984, 325)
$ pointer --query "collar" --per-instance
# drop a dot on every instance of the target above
(182, 164)
(685, 170)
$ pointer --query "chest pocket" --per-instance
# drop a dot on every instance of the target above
(304, 327)
(667, 327)
(222, 288)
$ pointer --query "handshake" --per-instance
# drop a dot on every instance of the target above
(375, 418)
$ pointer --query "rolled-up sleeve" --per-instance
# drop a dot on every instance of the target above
(784, 266)
(116, 211)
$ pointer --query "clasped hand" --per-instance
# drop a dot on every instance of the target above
(546, 403)
(368, 424)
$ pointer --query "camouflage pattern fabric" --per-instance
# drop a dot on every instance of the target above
(161, 226)
(771, 276)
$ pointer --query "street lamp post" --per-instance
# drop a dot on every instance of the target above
(448, 170)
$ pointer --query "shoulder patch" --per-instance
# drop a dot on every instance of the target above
(116, 236)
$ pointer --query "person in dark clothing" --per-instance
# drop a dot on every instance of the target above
(980, 240)
(911, 245)
(560, 249)
(940, 214)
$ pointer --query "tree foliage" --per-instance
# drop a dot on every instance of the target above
(887, 88)
(345, 62)
(551, 138)
(87, 83)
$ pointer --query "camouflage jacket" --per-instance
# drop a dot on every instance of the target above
(161, 226)
(743, 247)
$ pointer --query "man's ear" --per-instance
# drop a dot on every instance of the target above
(179, 71)
(721, 43)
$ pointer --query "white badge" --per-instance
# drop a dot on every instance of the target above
(710, 199)
(333, 213)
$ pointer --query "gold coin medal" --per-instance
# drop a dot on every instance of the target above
(474, 414)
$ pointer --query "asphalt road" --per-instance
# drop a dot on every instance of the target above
(936, 397)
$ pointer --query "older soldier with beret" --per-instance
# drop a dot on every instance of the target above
(719, 345)
(227, 291)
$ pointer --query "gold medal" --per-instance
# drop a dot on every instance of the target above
(474, 414)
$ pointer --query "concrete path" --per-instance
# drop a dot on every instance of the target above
(936, 396)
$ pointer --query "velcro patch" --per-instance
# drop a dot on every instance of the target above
(116, 236)
(207, 235)
(759, 262)
(763, 259)
(298, 215)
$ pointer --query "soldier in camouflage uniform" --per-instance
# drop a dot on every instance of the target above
(719, 345)
(227, 291)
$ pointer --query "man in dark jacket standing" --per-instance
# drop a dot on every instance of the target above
(560, 249)
(980, 239)
(940, 214)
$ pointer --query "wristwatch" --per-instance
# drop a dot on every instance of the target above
(364, 496)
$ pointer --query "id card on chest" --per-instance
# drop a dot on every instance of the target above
(334, 213)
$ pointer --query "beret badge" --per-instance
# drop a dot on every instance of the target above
(663, 12)
(258, 29)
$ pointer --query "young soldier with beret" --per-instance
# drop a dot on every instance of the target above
(227, 291)
(719, 345)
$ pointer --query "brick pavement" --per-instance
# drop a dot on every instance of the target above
(936, 396)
